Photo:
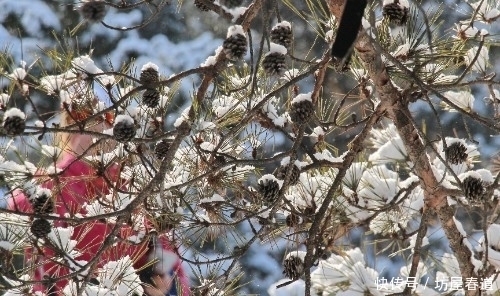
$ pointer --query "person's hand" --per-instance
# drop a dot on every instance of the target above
(161, 285)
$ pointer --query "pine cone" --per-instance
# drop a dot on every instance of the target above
(151, 98)
(93, 10)
(43, 204)
(149, 77)
(274, 63)
(301, 111)
(13, 125)
(201, 6)
(164, 222)
(473, 188)
(218, 161)
(282, 35)
(293, 220)
(293, 267)
(161, 148)
(40, 228)
(235, 46)
(396, 13)
(455, 153)
(232, 3)
(269, 189)
(124, 130)
(280, 173)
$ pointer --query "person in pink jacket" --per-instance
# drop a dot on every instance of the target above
(80, 183)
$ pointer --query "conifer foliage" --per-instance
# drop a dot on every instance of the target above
(238, 154)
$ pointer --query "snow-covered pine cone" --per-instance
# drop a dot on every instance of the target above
(201, 6)
(235, 46)
(218, 161)
(280, 173)
(396, 13)
(161, 148)
(269, 189)
(151, 98)
(282, 34)
(40, 228)
(301, 111)
(14, 122)
(473, 188)
(293, 220)
(274, 63)
(149, 77)
(232, 3)
(293, 267)
(455, 153)
(93, 10)
(124, 128)
(43, 204)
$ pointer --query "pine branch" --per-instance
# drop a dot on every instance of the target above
(395, 105)
(355, 148)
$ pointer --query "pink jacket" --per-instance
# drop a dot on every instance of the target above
(80, 184)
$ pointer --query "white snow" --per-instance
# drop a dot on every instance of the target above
(413, 241)
(269, 108)
(30, 187)
(211, 60)
(184, 117)
(235, 30)
(221, 105)
(327, 155)
(269, 178)
(285, 24)
(54, 83)
(6, 245)
(302, 97)
(392, 151)
(463, 99)
(207, 146)
(18, 73)
(285, 161)
(121, 277)
(206, 126)
(290, 74)
(125, 118)
(61, 237)
(237, 12)
(492, 14)
(402, 3)
(150, 65)
(473, 174)
(317, 132)
(485, 176)
(14, 112)
(366, 24)
(215, 198)
(482, 60)
(4, 99)
(52, 170)
(41, 191)
(460, 227)
(329, 35)
(467, 30)
(86, 64)
(278, 48)
(51, 151)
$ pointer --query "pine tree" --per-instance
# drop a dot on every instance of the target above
(218, 134)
